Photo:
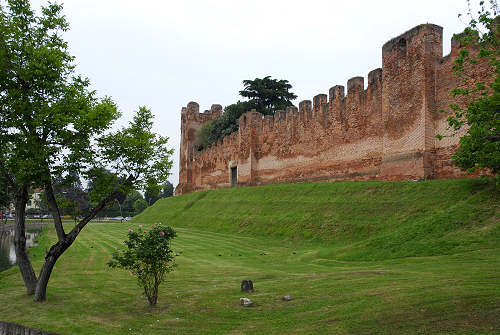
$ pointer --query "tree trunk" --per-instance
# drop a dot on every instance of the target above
(54, 211)
(60, 247)
(65, 241)
(44, 276)
(22, 259)
(43, 280)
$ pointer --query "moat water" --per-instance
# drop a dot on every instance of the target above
(7, 250)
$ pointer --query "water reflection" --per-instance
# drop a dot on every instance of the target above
(7, 250)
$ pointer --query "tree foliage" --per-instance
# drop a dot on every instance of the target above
(71, 196)
(140, 205)
(149, 257)
(128, 203)
(222, 126)
(6, 193)
(264, 95)
(267, 95)
(168, 190)
(52, 124)
(151, 195)
(480, 146)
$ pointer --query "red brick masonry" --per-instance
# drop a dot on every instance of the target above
(384, 132)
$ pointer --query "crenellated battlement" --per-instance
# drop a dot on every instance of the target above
(412, 37)
(192, 112)
(355, 85)
(386, 131)
(310, 112)
(336, 93)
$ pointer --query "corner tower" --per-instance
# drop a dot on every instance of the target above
(191, 122)
(408, 102)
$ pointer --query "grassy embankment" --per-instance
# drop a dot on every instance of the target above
(358, 258)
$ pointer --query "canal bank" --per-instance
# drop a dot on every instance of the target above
(8, 328)
(7, 249)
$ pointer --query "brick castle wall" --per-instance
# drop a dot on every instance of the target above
(384, 132)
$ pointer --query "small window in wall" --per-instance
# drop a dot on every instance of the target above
(234, 176)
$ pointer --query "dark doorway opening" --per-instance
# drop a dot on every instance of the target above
(234, 176)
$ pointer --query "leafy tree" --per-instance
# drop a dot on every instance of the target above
(6, 194)
(102, 177)
(140, 205)
(480, 146)
(268, 95)
(52, 124)
(168, 190)
(33, 211)
(222, 126)
(264, 95)
(71, 197)
(149, 257)
(128, 204)
(152, 195)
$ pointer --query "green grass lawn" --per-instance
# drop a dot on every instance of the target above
(357, 258)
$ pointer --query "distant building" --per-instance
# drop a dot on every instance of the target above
(32, 204)
(34, 199)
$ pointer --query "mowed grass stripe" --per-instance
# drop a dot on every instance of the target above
(357, 280)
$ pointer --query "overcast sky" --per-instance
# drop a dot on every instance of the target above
(163, 53)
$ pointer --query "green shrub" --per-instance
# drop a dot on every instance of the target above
(148, 256)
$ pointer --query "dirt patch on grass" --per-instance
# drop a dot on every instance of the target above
(368, 272)
(328, 322)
